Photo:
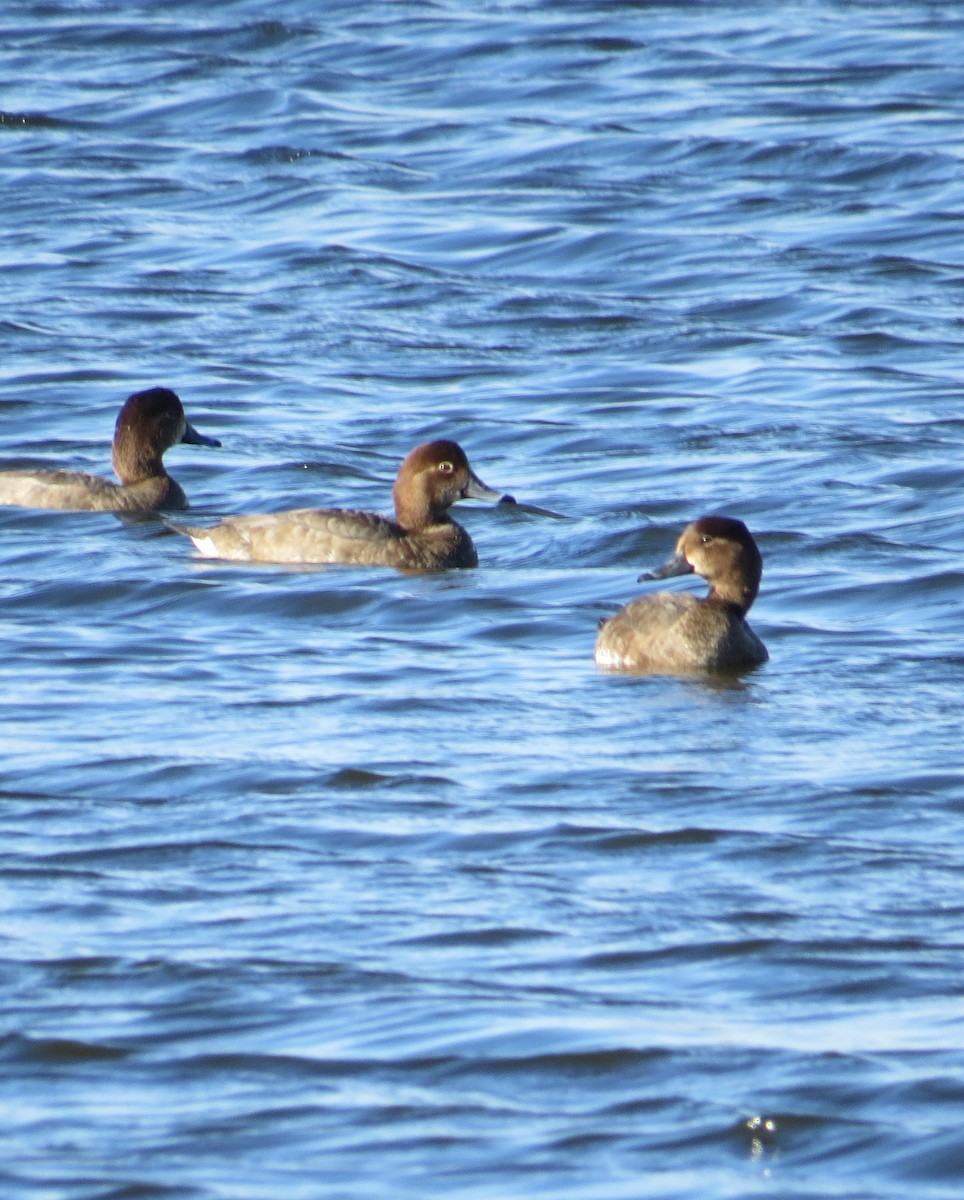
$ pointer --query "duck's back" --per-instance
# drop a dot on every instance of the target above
(673, 632)
(331, 535)
(80, 492)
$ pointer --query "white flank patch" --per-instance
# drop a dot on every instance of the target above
(205, 545)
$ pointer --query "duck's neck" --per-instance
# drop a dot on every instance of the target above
(418, 512)
(134, 463)
(738, 596)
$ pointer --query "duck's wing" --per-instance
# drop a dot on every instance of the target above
(301, 535)
(649, 634)
(57, 489)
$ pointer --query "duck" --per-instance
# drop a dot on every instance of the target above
(678, 633)
(149, 423)
(421, 537)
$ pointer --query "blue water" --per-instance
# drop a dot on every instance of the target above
(342, 883)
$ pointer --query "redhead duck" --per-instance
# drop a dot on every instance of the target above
(422, 537)
(674, 633)
(149, 423)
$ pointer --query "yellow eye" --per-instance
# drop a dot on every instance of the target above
(446, 468)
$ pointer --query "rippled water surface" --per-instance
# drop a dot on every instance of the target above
(343, 883)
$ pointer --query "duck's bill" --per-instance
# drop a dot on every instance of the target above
(193, 438)
(475, 489)
(675, 566)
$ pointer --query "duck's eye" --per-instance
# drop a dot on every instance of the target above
(706, 539)
(446, 468)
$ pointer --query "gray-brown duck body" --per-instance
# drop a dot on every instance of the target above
(678, 633)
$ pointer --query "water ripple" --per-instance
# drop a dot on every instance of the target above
(325, 879)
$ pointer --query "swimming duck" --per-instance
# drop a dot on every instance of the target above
(422, 537)
(677, 633)
(149, 423)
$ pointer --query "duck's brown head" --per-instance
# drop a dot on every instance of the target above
(723, 551)
(431, 479)
(150, 423)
